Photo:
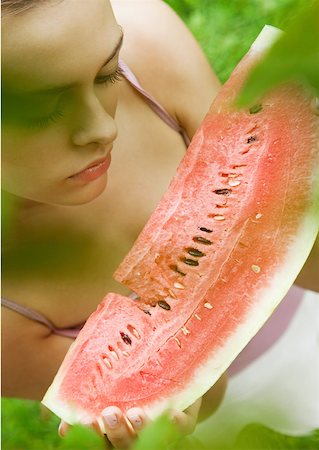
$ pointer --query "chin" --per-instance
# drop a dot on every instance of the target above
(70, 195)
(86, 193)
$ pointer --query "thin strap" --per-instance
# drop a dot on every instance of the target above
(37, 317)
(152, 102)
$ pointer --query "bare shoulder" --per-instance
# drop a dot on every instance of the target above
(166, 59)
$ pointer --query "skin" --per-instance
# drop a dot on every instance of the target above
(98, 217)
(93, 224)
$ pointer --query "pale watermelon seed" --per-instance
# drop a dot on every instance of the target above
(258, 216)
(197, 317)
(178, 342)
(254, 128)
(179, 286)
(107, 362)
(234, 183)
(236, 166)
(208, 305)
(171, 293)
(133, 331)
(218, 217)
(185, 331)
(126, 354)
(113, 353)
(255, 268)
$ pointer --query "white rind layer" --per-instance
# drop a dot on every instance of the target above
(205, 376)
(65, 411)
(266, 38)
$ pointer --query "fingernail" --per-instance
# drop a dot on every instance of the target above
(135, 420)
(60, 432)
(111, 420)
(315, 105)
(173, 418)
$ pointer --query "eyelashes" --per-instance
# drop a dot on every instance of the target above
(115, 76)
(44, 122)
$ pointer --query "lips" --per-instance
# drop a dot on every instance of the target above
(93, 171)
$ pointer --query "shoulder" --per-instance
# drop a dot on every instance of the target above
(31, 355)
(167, 59)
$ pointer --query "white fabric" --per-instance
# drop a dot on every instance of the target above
(280, 389)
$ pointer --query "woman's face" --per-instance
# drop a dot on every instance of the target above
(59, 100)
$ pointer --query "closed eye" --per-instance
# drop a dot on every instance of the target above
(113, 77)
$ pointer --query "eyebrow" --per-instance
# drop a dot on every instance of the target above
(58, 89)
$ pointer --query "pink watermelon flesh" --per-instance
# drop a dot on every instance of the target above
(216, 257)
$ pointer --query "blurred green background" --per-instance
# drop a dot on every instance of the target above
(224, 29)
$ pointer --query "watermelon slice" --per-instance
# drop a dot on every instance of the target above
(216, 257)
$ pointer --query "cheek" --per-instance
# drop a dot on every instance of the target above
(27, 162)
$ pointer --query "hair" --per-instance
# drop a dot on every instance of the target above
(14, 7)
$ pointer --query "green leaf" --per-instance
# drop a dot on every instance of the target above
(81, 438)
(260, 437)
(159, 435)
(294, 56)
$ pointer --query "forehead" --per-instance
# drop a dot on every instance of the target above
(57, 40)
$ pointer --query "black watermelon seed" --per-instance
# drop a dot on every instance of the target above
(251, 139)
(163, 304)
(255, 109)
(190, 262)
(195, 252)
(205, 229)
(222, 191)
(176, 269)
(126, 338)
(202, 240)
(146, 311)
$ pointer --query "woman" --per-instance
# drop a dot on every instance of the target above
(69, 100)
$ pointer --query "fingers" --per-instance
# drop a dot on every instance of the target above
(315, 105)
(186, 420)
(137, 419)
(63, 428)
(122, 430)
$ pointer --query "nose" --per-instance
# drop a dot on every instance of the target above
(94, 125)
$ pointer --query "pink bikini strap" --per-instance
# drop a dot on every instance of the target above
(35, 316)
(153, 104)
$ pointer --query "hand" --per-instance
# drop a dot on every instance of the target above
(121, 431)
